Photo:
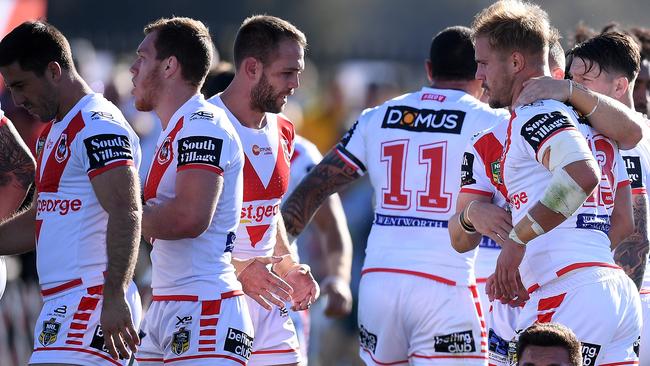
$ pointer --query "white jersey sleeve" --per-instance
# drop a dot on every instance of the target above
(305, 157)
(106, 144)
(352, 147)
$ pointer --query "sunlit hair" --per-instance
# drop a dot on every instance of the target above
(512, 25)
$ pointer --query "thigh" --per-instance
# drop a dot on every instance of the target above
(197, 332)
(68, 329)
(276, 342)
(445, 325)
(382, 338)
(607, 328)
(502, 322)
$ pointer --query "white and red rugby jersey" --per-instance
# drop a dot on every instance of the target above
(198, 136)
(412, 147)
(70, 223)
(581, 240)
(267, 156)
(481, 174)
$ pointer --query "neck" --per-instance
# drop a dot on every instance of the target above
(237, 98)
(524, 75)
(75, 89)
(170, 99)
(627, 99)
(471, 87)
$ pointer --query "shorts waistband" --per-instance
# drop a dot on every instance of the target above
(195, 298)
(77, 283)
(577, 278)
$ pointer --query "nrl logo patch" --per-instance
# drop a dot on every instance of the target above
(495, 167)
(181, 341)
(49, 333)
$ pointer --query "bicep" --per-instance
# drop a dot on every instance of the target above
(118, 189)
(198, 190)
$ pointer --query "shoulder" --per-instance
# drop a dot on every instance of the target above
(306, 148)
(206, 119)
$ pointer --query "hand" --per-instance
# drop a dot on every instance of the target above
(490, 220)
(117, 326)
(306, 289)
(507, 270)
(339, 297)
(491, 289)
(543, 87)
(262, 285)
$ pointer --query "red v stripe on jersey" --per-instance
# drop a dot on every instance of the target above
(40, 145)
(157, 168)
(256, 233)
(255, 190)
(53, 170)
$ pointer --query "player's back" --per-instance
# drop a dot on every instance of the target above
(412, 147)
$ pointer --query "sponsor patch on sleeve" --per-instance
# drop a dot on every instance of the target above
(633, 166)
(107, 148)
(466, 170)
(542, 126)
(200, 151)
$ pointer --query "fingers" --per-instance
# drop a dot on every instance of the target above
(269, 296)
(109, 344)
(260, 300)
(132, 339)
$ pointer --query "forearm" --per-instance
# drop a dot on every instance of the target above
(282, 245)
(12, 197)
(336, 242)
(628, 129)
(18, 233)
(632, 253)
(326, 178)
(462, 240)
(164, 221)
(122, 243)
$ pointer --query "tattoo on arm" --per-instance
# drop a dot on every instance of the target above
(16, 163)
(632, 253)
(326, 178)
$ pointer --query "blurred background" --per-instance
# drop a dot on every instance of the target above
(361, 52)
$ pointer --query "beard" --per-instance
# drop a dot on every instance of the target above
(264, 98)
(150, 87)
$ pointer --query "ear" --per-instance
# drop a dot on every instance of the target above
(252, 68)
(428, 66)
(54, 71)
(516, 62)
(621, 85)
(170, 67)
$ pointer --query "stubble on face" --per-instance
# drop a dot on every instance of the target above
(264, 98)
(150, 87)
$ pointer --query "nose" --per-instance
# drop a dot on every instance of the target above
(480, 73)
(294, 83)
(18, 99)
(134, 67)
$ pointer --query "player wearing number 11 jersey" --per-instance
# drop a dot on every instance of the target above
(418, 302)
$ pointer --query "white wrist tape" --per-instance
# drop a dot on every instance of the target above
(537, 228)
(513, 236)
(563, 195)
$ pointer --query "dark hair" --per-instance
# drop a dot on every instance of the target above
(452, 54)
(611, 52)
(34, 45)
(260, 35)
(186, 39)
(643, 35)
(551, 335)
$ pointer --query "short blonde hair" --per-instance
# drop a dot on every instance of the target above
(514, 25)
